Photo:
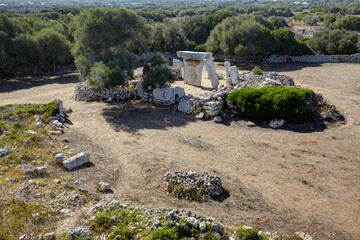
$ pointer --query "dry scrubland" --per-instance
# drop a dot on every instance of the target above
(299, 178)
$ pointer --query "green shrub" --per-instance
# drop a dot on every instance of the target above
(165, 233)
(265, 104)
(156, 73)
(248, 234)
(257, 70)
(50, 109)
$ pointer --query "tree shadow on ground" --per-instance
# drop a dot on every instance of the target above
(14, 84)
(275, 67)
(134, 116)
(317, 125)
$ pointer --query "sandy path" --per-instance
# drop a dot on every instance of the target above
(290, 183)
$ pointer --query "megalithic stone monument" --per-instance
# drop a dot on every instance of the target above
(193, 63)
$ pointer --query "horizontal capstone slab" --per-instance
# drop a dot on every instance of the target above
(194, 55)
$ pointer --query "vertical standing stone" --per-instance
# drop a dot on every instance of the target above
(193, 72)
(178, 64)
(227, 69)
(210, 67)
(234, 74)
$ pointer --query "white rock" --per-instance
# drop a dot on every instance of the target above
(276, 123)
(179, 91)
(103, 186)
(60, 103)
(82, 231)
(185, 107)
(200, 115)
(60, 157)
(165, 93)
(217, 119)
(303, 236)
(4, 152)
(210, 67)
(229, 82)
(234, 74)
(41, 170)
(227, 69)
(77, 160)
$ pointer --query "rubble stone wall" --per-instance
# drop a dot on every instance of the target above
(355, 58)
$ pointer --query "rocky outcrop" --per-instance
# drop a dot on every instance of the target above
(192, 186)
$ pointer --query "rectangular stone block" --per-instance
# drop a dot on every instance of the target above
(194, 55)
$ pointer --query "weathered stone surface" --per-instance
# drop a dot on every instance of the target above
(210, 67)
(200, 186)
(276, 123)
(229, 82)
(77, 160)
(82, 231)
(61, 110)
(4, 152)
(179, 91)
(194, 55)
(193, 72)
(178, 64)
(227, 69)
(103, 186)
(185, 107)
(234, 74)
(165, 93)
(303, 236)
(40, 170)
(217, 119)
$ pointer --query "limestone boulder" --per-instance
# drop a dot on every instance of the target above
(185, 107)
(164, 94)
(77, 160)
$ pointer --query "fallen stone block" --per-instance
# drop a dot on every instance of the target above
(77, 160)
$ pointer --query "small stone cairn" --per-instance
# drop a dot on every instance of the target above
(192, 186)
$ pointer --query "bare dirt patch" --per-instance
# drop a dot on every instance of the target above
(278, 180)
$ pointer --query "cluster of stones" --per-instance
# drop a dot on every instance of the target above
(326, 111)
(153, 219)
(192, 186)
(84, 93)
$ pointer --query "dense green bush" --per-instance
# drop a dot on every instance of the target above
(257, 70)
(102, 40)
(348, 22)
(156, 73)
(248, 234)
(334, 42)
(265, 104)
(243, 36)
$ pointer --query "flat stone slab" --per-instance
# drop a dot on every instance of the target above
(194, 55)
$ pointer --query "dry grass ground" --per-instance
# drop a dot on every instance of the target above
(294, 179)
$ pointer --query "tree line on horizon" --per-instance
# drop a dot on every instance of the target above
(85, 36)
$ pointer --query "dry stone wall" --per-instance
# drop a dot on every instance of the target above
(355, 58)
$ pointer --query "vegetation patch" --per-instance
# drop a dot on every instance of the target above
(31, 192)
(265, 104)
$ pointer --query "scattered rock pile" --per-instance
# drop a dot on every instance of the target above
(324, 110)
(192, 186)
(84, 93)
(251, 80)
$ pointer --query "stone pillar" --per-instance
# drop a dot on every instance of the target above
(210, 67)
(227, 67)
(178, 64)
(234, 74)
(193, 72)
